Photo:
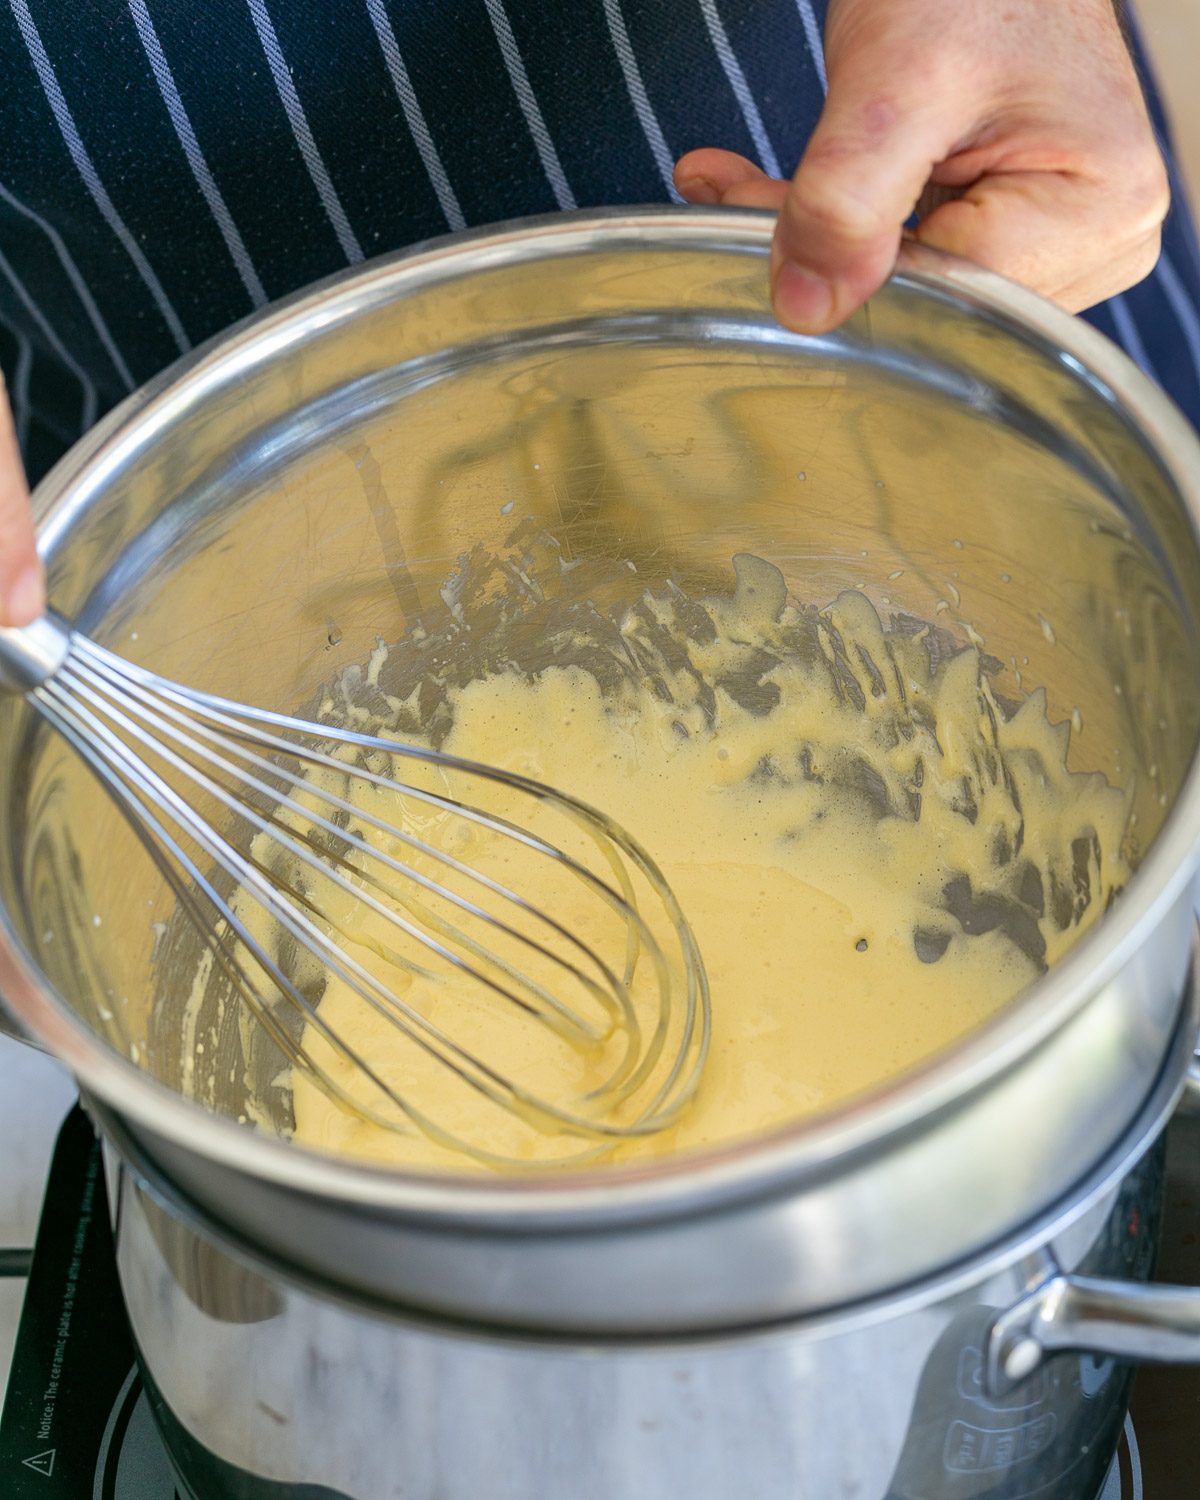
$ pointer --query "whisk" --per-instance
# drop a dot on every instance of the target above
(254, 815)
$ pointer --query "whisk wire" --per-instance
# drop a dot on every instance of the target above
(251, 877)
(621, 902)
(305, 851)
(142, 819)
(257, 767)
(470, 1069)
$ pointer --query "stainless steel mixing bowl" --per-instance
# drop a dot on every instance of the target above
(256, 518)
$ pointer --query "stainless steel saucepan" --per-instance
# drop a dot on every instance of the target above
(253, 521)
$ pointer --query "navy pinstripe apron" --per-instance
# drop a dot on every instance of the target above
(168, 165)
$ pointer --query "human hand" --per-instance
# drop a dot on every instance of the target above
(1018, 132)
(22, 592)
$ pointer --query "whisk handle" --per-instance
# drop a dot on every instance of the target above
(31, 654)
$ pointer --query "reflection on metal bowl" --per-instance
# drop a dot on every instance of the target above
(256, 518)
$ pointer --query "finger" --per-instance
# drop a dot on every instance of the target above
(866, 166)
(767, 192)
(707, 175)
(22, 590)
(1042, 229)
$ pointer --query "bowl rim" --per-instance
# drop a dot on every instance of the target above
(755, 1167)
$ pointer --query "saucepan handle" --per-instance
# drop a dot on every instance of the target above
(1088, 1314)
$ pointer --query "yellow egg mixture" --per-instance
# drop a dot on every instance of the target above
(873, 854)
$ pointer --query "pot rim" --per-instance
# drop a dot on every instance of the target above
(760, 1166)
(1036, 1236)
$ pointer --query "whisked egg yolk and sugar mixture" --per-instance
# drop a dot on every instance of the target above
(872, 851)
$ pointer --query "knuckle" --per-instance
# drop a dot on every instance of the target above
(1142, 188)
(1150, 191)
(1145, 257)
(1134, 266)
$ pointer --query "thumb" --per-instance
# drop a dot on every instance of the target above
(22, 591)
(884, 126)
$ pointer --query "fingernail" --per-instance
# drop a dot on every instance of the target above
(25, 598)
(802, 301)
(698, 190)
